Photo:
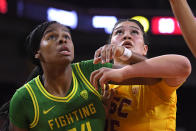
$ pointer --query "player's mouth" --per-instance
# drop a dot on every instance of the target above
(64, 50)
(127, 44)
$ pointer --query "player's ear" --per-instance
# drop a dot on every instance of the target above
(37, 55)
(145, 49)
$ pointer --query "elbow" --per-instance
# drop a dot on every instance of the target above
(185, 67)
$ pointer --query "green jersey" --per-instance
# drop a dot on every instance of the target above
(33, 108)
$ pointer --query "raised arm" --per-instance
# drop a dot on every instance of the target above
(187, 22)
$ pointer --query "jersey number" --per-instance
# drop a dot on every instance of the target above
(84, 127)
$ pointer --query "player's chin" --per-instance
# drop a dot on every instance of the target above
(65, 59)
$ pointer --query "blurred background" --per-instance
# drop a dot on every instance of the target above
(90, 23)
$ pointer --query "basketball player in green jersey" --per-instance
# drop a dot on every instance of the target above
(140, 105)
(62, 99)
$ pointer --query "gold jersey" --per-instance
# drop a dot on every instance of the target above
(142, 108)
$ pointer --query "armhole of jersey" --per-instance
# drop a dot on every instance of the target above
(84, 79)
(35, 105)
(163, 94)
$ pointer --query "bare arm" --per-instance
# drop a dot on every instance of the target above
(187, 22)
(173, 69)
(14, 128)
(135, 58)
(109, 52)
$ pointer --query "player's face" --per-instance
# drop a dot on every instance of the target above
(129, 35)
(56, 46)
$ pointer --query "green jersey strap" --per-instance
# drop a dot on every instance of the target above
(84, 79)
(35, 105)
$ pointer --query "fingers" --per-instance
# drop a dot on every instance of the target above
(97, 59)
(103, 81)
(105, 53)
(96, 76)
(109, 53)
(119, 50)
(108, 95)
(113, 52)
(106, 92)
(99, 76)
(100, 55)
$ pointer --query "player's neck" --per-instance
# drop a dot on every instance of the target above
(58, 84)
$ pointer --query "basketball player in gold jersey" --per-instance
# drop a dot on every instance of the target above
(139, 105)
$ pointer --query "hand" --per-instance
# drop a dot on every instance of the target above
(104, 75)
(107, 52)
(107, 96)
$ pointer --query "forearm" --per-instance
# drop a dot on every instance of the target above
(129, 57)
(166, 66)
(187, 22)
(137, 81)
(135, 58)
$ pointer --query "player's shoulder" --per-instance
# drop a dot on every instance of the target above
(22, 92)
(83, 62)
